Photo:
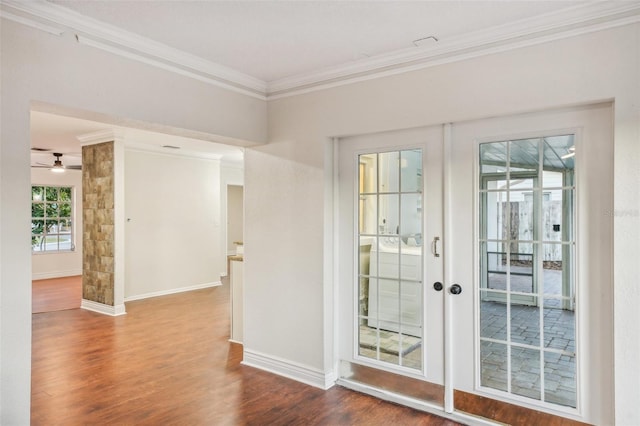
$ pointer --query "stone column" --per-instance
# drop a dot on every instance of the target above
(103, 245)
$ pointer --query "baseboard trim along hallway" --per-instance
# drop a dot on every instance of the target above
(282, 367)
(172, 291)
(101, 308)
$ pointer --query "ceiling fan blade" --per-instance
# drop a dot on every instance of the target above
(73, 167)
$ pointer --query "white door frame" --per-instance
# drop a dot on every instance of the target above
(594, 172)
(453, 359)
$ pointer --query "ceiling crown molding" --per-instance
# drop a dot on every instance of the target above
(133, 145)
(100, 136)
(581, 19)
(30, 22)
(565, 23)
(104, 36)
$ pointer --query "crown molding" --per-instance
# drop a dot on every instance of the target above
(565, 23)
(132, 145)
(104, 36)
(100, 136)
(168, 66)
(30, 23)
(569, 22)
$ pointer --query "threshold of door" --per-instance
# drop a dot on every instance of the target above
(415, 403)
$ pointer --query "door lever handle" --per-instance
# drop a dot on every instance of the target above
(434, 247)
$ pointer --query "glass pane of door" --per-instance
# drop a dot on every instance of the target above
(527, 286)
(390, 290)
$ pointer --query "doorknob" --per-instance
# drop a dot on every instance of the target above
(437, 286)
(455, 289)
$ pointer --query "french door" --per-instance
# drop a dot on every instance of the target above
(390, 226)
(475, 261)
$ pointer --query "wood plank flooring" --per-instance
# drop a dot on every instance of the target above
(168, 362)
(56, 294)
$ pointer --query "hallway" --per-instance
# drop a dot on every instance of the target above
(168, 361)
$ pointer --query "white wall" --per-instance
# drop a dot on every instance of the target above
(172, 231)
(288, 227)
(235, 216)
(288, 237)
(39, 67)
(231, 174)
(64, 264)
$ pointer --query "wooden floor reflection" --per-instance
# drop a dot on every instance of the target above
(168, 361)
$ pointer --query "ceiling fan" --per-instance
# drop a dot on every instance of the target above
(57, 167)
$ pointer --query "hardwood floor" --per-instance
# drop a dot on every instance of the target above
(56, 294)
(168, 362)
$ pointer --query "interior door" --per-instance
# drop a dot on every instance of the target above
(530, 226)
(390, 230)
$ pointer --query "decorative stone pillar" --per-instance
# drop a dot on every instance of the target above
(103, 227)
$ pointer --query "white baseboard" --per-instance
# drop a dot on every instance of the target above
(101, 308)
(56, 274)
(291, 370)
(172, 291)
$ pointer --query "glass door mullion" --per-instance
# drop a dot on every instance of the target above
(539, 257)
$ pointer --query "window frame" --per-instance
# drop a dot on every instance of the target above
(46, 230)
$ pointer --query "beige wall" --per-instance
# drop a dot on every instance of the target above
(288, 195)
(235, 216)
(231, 174)
(37, 67)
(172, 209)
(288, 183)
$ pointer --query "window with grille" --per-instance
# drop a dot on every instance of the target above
(51, 219)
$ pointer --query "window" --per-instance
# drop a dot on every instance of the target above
(51, 218)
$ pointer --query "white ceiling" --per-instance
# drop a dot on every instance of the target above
(57, 133)
(273, 40)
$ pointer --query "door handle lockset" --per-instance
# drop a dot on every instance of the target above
(437, 286)
(455, 289)
(434, 246)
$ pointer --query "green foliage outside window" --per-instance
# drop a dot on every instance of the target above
(51, 218)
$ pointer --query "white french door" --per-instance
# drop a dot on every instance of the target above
(539, 239)
(475, 260)
(390, 225)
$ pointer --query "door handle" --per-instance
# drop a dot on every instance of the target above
(434, 247)
(455, 289)
(437, 286)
